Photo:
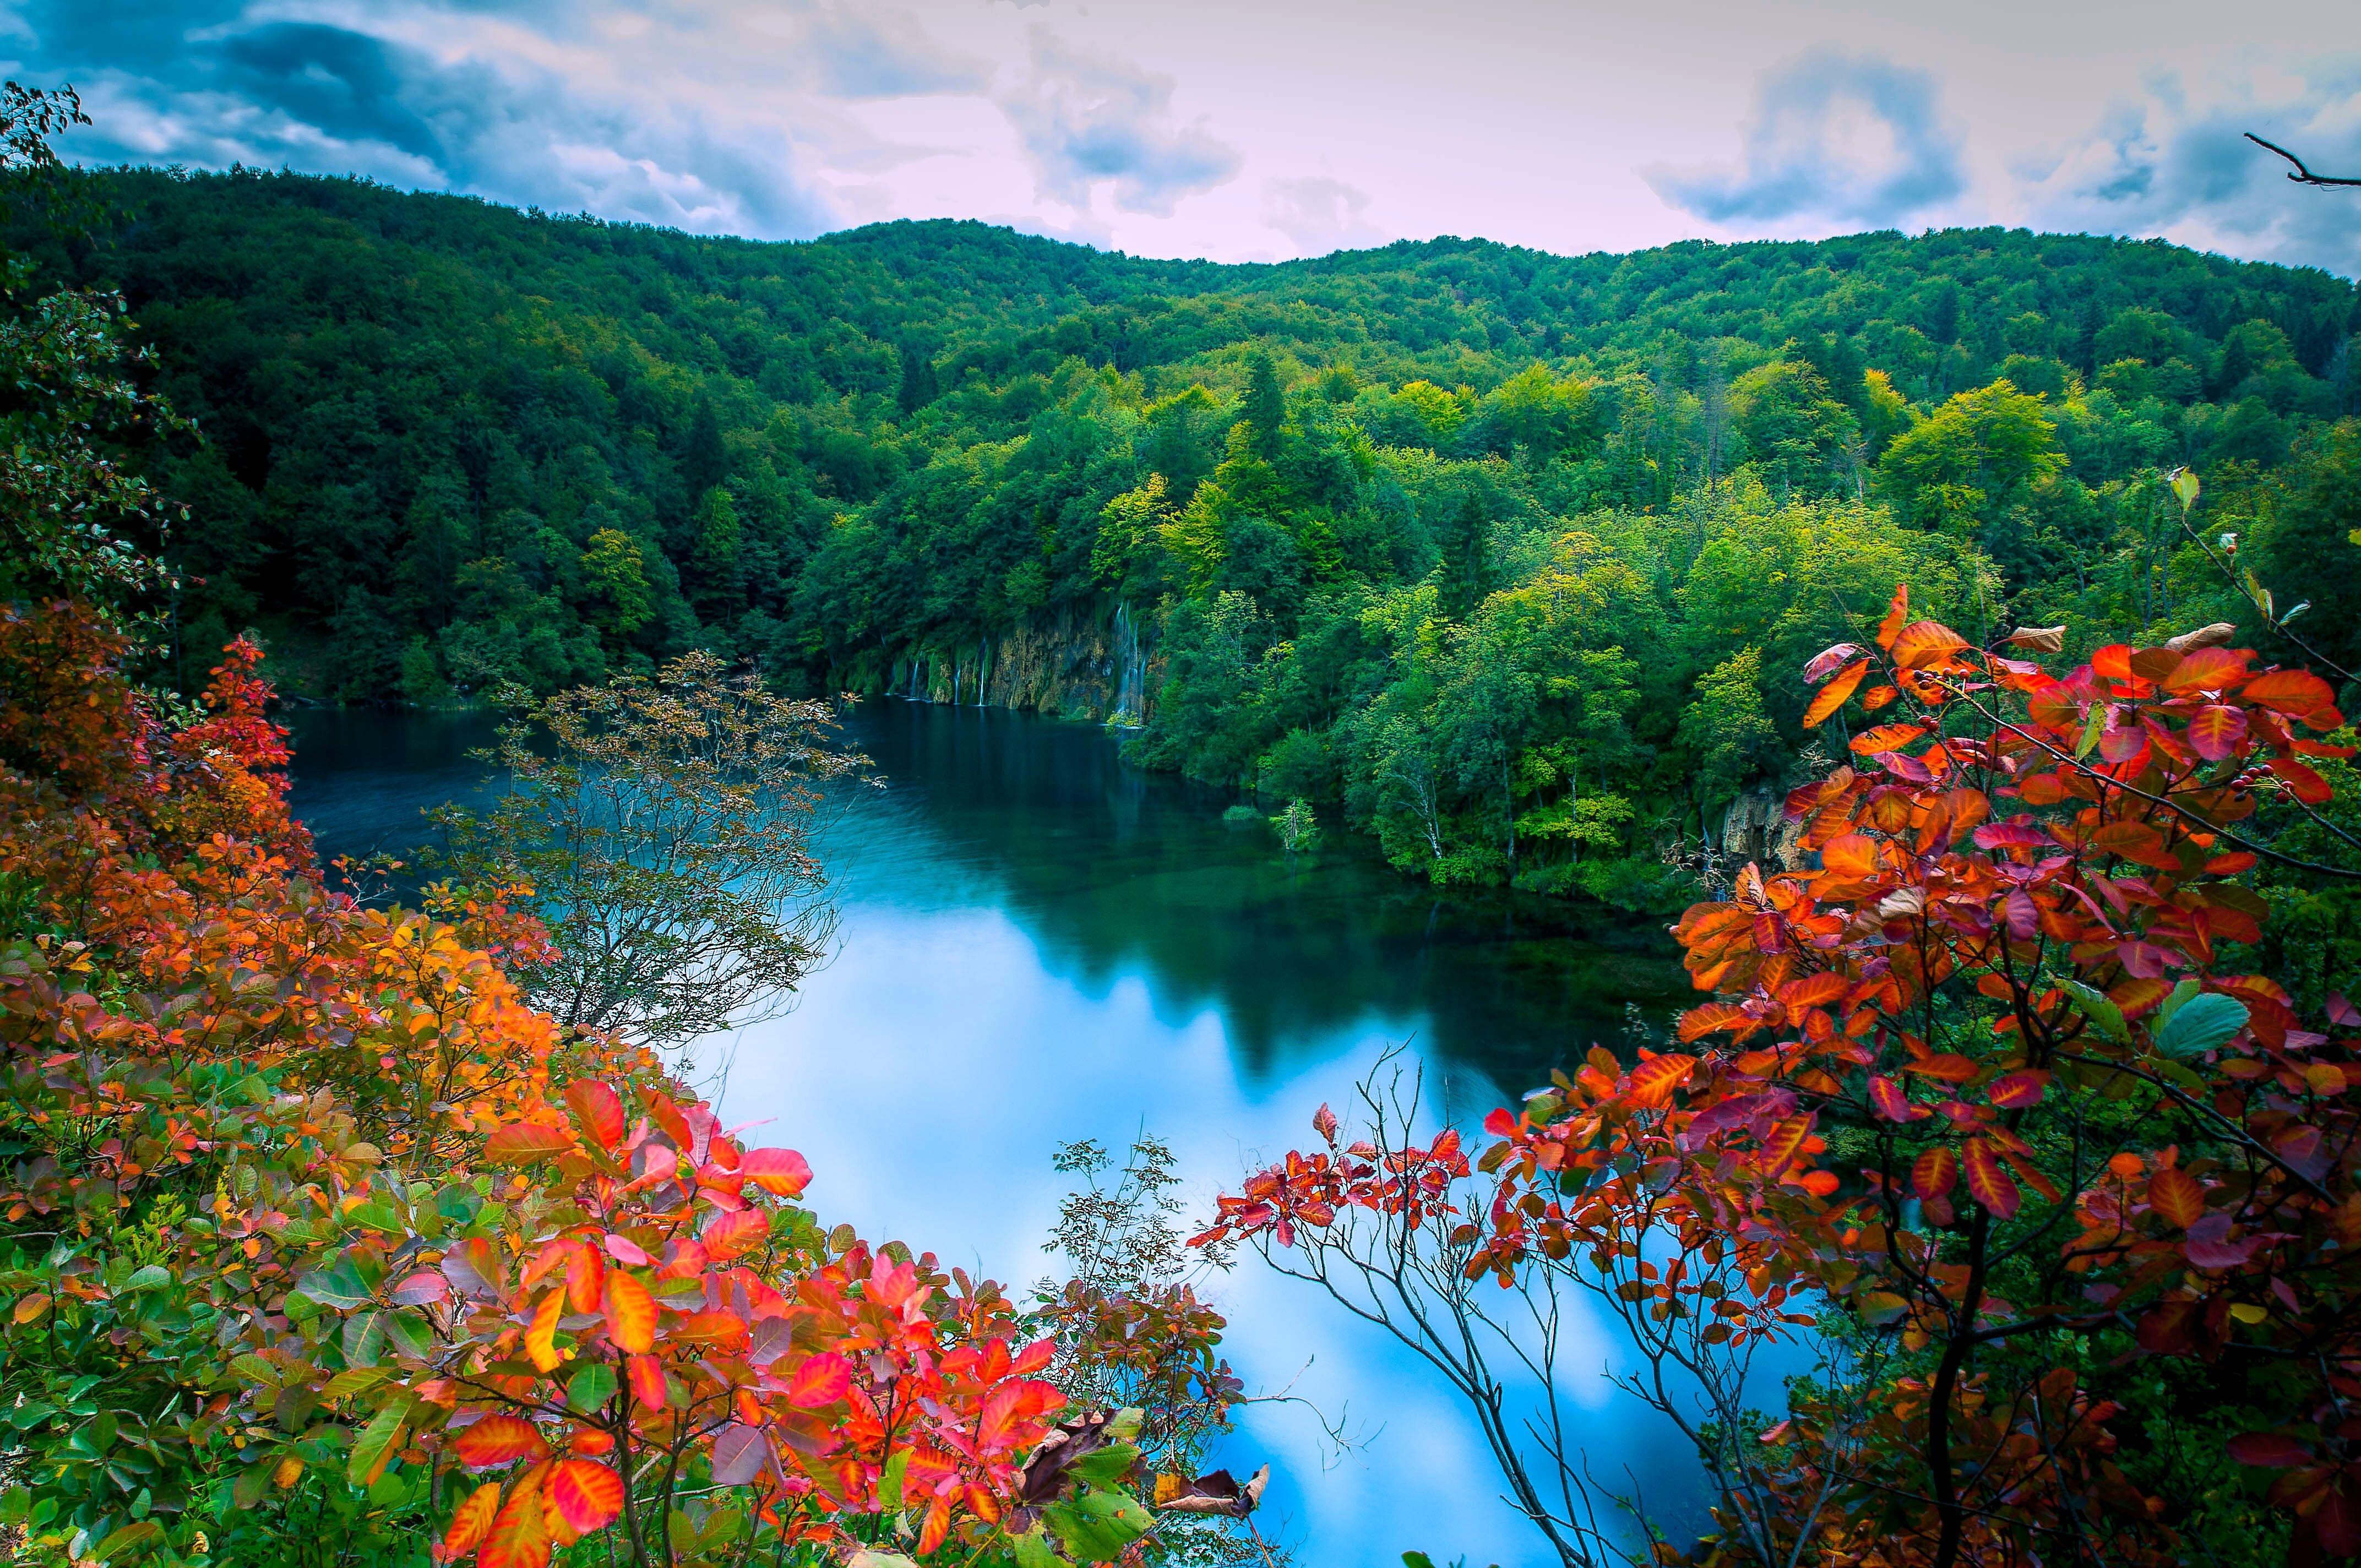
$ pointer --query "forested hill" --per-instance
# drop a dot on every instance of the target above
(1511, 555)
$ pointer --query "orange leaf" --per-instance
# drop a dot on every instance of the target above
(1986, 1179)
(727, 1329)
(1780, 1148)
(1947, 1067)
(2175, 1195)
(598, 1111)
(631, 1313)
(499, 1439)
(1852, 857)
(1886, 738)
(541, 1334)
(519, 1535)
(1652, 1082)
(1888, 629)
(472, 1522)
(585, 1277)
(586, 1495)
(741, 1231)
(2293, 692)
(2208, 669)
(1836, 693)
(527, 1143)
(1709, 1018)
(1924, 642)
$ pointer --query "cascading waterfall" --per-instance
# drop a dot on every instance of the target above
(1131, 672)
(983, 670)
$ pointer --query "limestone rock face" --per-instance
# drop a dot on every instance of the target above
(1069, 662)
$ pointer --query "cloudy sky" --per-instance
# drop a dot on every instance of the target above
(1259, 130)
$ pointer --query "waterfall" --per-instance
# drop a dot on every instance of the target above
(1131, 670)
(983, 670)
(959, 674)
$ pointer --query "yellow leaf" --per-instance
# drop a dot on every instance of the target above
(541, 1339)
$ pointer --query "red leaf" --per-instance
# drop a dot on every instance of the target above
(1892, 1104)
(499, 1439)
(646, 1376)
(2015, 1090)
(1828, 660)
(586, 1495)
(781, 1172)
(2269, 1451)
(1987, 1181)
(819, 1380)
(2215, 730)
(598, 1111)
(1933, 1172)
(2302, 782)
(2208, 669)
(2209, 1245)
(1011, 1404)
(1324, 1122)
(527, 1143)
(2175, 1194)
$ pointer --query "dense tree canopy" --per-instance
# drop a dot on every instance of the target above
(1490, 547)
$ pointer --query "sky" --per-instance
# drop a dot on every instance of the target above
(1245, 130)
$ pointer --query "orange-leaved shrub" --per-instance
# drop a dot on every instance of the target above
(1996, 1107)
(319, 1241)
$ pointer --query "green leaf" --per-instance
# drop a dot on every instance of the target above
(2203, 1022)
(1097, 1525)
(352, 1381)
(376, 1443)
(2185, 486)
(1106, 1465)
(2093, 728)
(2093, 1004)
(155, 1277)
(1034, 1550)
(339, 1285)
(129, 1537)
(591, 1386)
(889, 1486)
(1417, 1560)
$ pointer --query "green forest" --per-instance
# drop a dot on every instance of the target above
(1505, 556)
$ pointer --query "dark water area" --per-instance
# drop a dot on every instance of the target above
(1041, 944)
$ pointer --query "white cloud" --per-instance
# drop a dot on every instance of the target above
(1091, 120)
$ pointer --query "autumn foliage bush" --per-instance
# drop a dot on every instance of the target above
(1994, 1107)
(320, 1245)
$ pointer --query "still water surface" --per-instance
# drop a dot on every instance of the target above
(1040, 944)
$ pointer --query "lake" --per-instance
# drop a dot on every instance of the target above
(1041, 944)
